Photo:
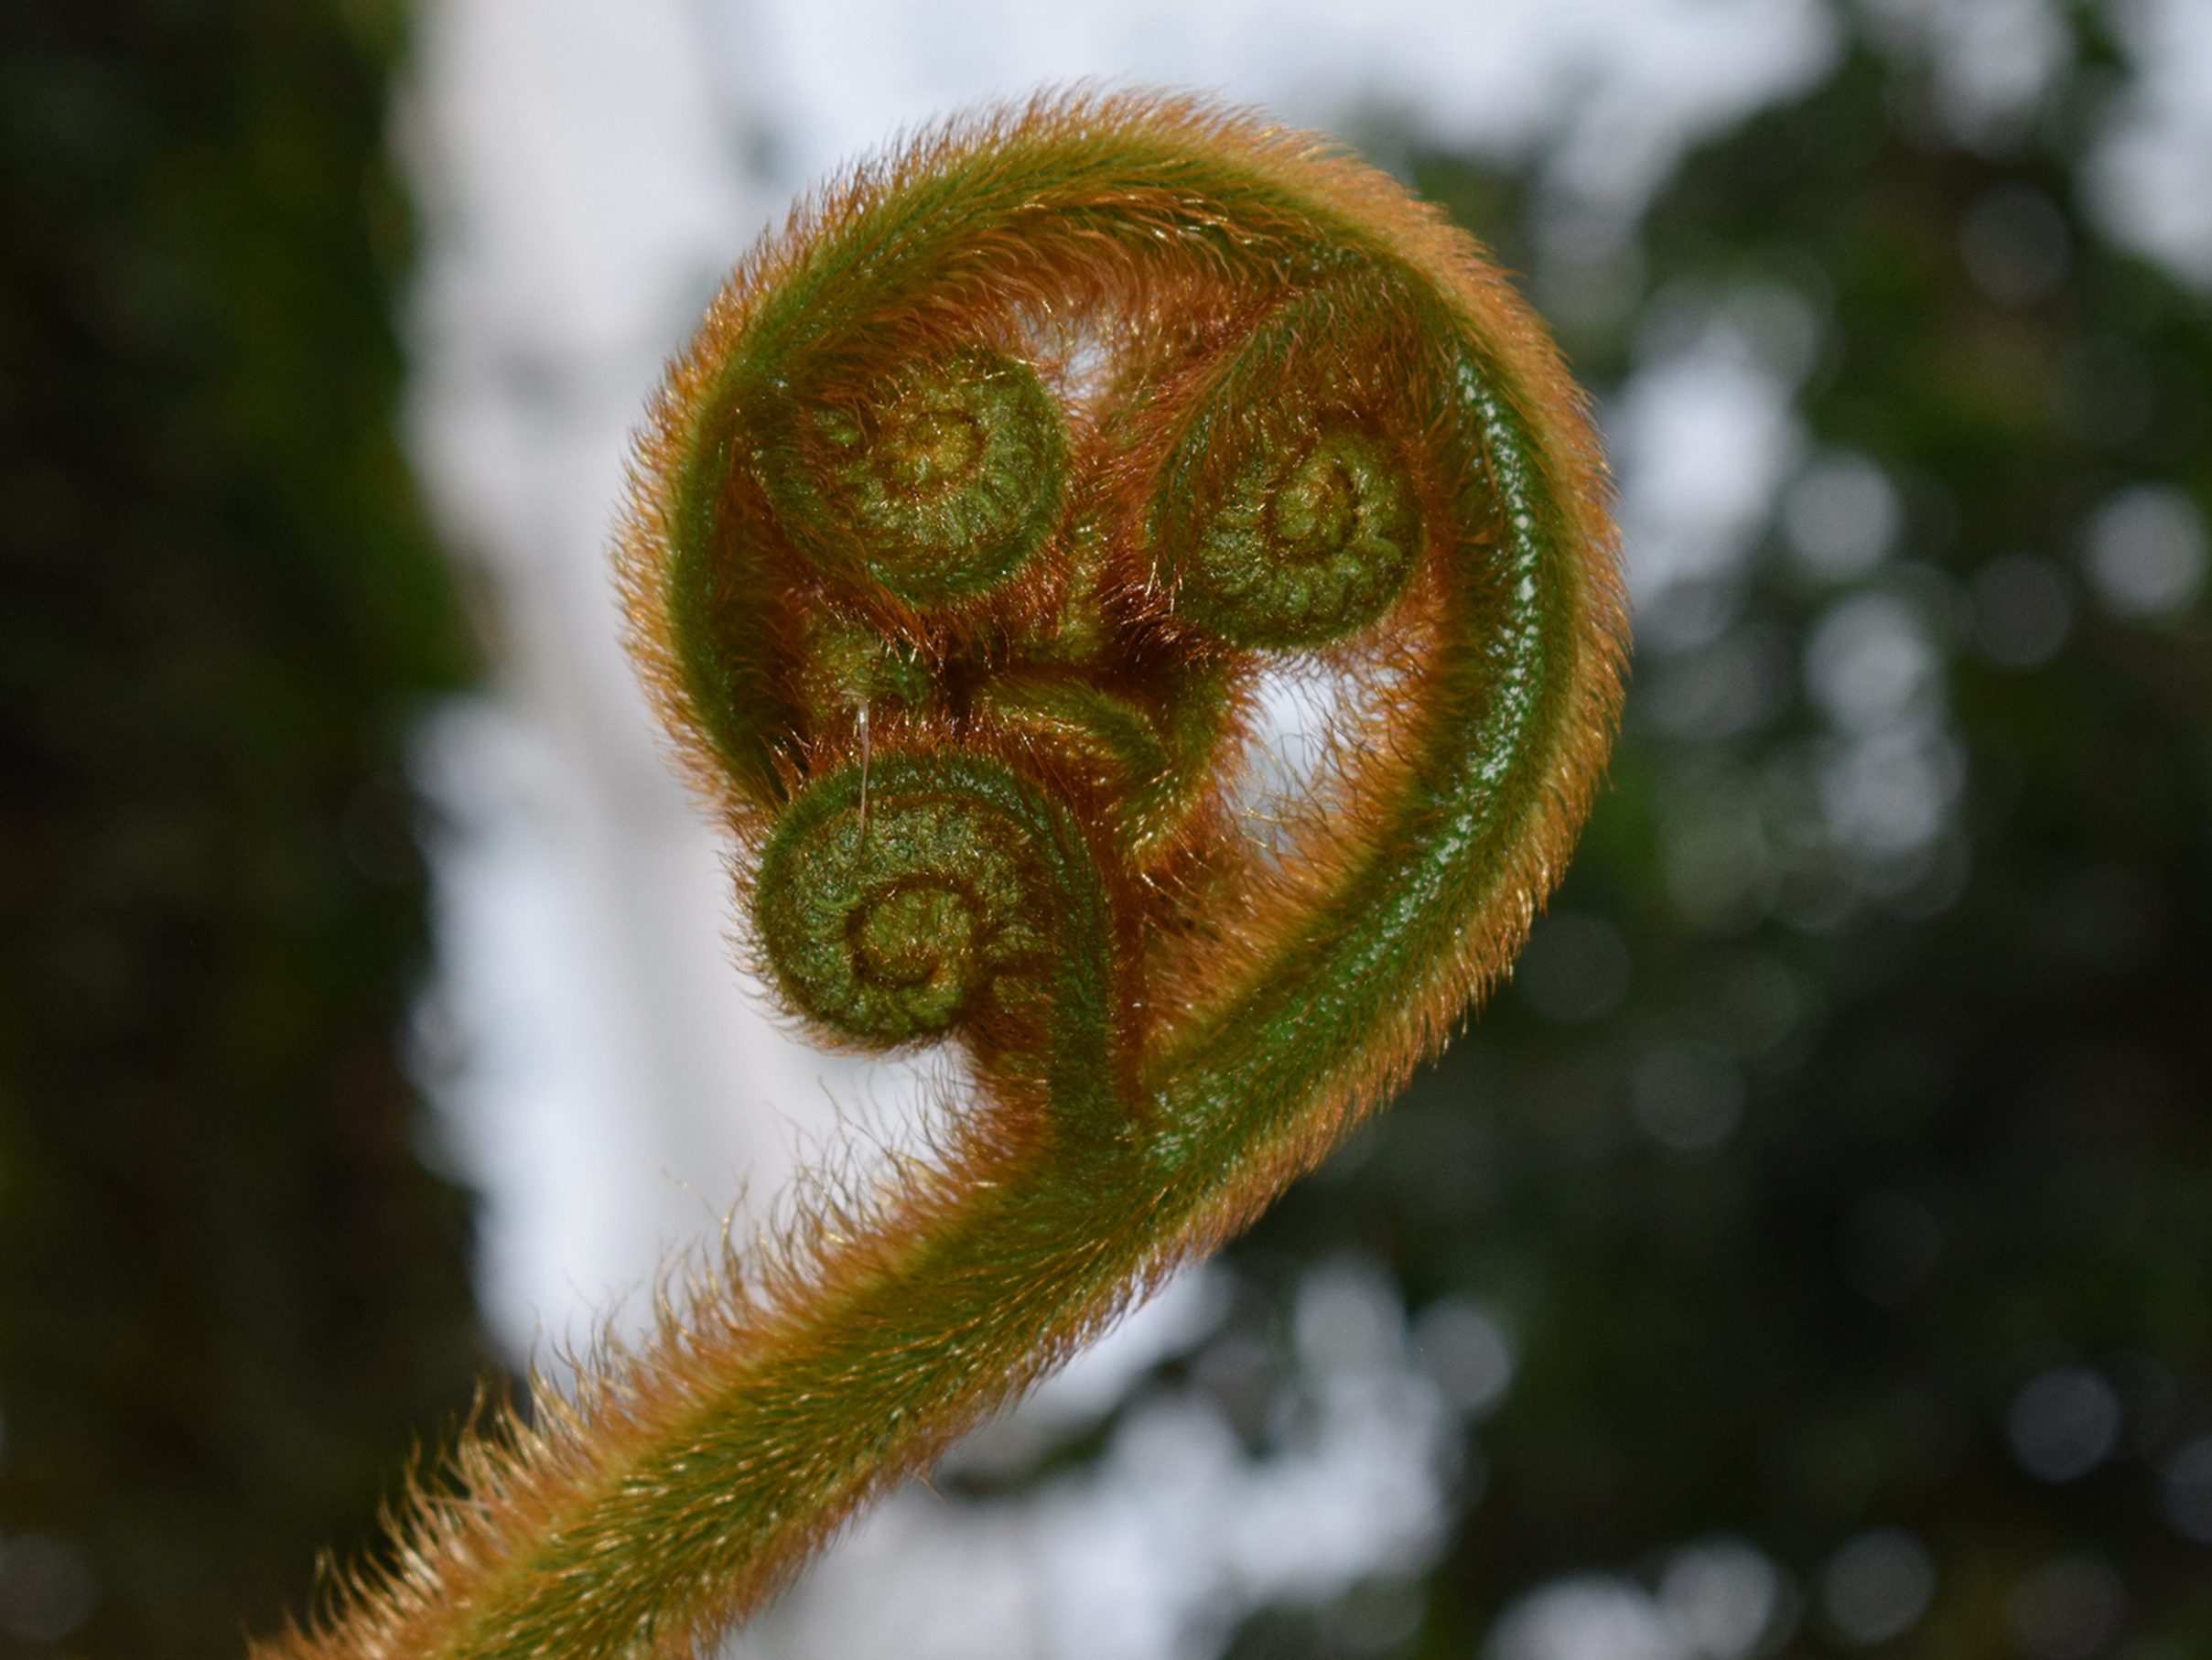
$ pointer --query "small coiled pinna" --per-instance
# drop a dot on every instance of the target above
(968, 538)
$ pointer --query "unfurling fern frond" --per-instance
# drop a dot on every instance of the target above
(972, 542)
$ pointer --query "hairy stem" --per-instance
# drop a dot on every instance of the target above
(968, 540)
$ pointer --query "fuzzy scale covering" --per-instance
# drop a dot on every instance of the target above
(962, 539)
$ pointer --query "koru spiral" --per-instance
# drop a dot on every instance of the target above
(966, 542)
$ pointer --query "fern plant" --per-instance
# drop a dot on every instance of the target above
(969, 540)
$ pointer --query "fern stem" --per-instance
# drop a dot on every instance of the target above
(964, 539)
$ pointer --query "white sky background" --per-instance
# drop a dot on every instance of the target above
(606, 1079)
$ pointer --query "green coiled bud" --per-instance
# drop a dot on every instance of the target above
(1302, 549)
(927, 902)
(935, 486)
(1288, 513)
(972, 683)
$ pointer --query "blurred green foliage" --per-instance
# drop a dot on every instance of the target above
(230, 1297)
(1976, 1093)
(1974, 1084)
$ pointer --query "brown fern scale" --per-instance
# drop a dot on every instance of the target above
(968, 540)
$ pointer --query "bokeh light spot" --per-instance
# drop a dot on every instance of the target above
(2188, 1487)
(1589, 1617)
(1878, 1586)
(1841, 515)
(1867, 661)
(2062, 1423)
(1722, 1598)
(2022, 609)
(47, 1591)
(1348, 1317)
(2144, 553)
(1575, 968)
(1463, 1353)
(1688, 1097)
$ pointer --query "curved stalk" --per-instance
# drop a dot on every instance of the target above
(968, 539)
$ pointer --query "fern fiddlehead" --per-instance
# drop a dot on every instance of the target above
(965, 539)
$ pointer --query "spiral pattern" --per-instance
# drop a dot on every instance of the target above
(1300, 549)
(935, 486)
(966, 537)
(893, 906)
